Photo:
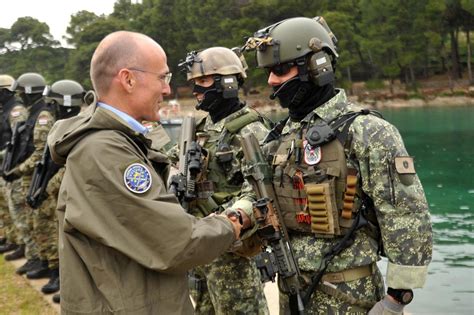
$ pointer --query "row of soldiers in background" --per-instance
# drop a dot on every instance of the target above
(30, 180)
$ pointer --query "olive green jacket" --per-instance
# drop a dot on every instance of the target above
(123, 252)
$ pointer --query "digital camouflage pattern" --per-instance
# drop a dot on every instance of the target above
(400, 208)
(230, 181)
(43, 124)
(46, 228)
(233, 281)
(370, 289)
(232, 286)
(16, 198)
(6, 222)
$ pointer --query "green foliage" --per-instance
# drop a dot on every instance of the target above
(417, 96)
(30, 33)
(377, 39)
(374, 84)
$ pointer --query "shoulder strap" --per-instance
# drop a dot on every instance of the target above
(345, 122)
(238, 123)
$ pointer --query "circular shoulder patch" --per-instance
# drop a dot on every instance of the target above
(137, 178)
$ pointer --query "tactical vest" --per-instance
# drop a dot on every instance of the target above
(5, 130)
(215, 186)
(26, 144)
(317, 191)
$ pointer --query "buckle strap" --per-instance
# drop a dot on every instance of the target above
(331, 289)
(348, 274)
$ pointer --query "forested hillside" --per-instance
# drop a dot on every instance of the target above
(378, 39)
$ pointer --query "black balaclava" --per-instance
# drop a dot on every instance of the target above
(63, 112)
(30, 99)
(5, 95)
(302, 97)
(215, 104)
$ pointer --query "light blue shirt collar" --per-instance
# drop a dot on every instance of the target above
(132, 122)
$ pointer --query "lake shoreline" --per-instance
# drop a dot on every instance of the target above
(262, 104)
(439, 101)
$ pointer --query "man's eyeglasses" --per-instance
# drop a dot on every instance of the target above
(163, 77)
(281, 69)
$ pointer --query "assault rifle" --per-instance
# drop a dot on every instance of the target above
(183, 184)
(44, 171)
(278, 258)
(11, 147)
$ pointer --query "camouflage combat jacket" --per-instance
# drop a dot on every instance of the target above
(224, 182)
(43, 125)
(399, 203)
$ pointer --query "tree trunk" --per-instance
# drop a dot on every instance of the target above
(412, 77)
(469, 69)
(455, 55)
(349, 79)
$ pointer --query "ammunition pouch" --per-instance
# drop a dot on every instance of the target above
(322, 208)
(321, 195)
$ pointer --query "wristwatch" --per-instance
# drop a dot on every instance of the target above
(402, 296)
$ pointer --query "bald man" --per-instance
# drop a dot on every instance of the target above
(124, 243)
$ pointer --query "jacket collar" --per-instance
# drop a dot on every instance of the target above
(327, 111)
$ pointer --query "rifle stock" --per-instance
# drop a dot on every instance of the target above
(280, 260)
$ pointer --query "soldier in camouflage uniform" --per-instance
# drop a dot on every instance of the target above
(230, 284)
(343, 179)
(27, 86)
(66, 98)
(7, 101)
(32, 141)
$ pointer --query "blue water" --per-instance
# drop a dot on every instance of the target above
(441, 140)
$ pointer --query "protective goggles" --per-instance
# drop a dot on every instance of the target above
(281, 69)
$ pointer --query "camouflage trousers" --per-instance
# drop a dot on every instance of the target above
(22, 218)
(6, 223)
(369, 289)
(231, 285)
(46, 232)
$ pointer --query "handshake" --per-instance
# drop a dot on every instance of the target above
(239, 220)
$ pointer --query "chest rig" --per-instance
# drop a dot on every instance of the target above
(317, 191)
(220, 179)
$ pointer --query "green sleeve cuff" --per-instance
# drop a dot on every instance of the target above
(247, 207)
(406, 277)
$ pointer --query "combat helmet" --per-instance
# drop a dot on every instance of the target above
(6, 82)
(29, 83)
(214, 60)
(68, 95)
(304, 42)
(227, 66)
(65, 93)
